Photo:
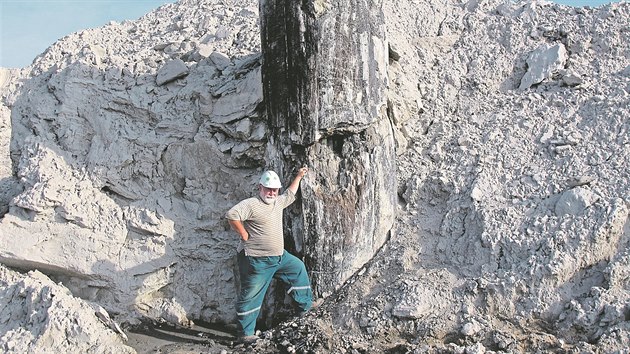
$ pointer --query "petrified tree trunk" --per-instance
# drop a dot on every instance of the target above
(324, 82)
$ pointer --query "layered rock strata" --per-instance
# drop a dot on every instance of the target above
(511, 127)
(129, 143)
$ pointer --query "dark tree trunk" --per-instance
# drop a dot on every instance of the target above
(324, 80)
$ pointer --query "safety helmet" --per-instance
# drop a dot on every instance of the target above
(270, 179)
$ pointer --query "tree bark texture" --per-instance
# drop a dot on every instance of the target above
(324, 82)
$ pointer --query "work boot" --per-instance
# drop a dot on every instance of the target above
(314, 305)
(248, 340)
(317, 302)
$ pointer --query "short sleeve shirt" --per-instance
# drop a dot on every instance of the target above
(263, 223)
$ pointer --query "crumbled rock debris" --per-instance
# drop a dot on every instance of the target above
(512, 232)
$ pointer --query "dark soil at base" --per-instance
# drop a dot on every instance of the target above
(166, 338)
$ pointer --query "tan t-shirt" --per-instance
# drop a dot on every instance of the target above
(263, 222)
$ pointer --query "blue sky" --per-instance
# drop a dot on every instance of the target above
(28, 27)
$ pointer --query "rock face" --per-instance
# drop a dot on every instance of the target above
(39, 316)
(510, 125)
(325, 80)
(9, 184)
(130, 142)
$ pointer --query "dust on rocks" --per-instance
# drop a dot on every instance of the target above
(512, 232)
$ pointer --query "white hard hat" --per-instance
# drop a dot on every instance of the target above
(270, 179)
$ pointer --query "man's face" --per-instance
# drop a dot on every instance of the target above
(268, 195)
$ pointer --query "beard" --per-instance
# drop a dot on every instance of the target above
(268, 200)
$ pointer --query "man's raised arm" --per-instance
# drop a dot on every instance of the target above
(293, 187)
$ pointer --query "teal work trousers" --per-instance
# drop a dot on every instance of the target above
(256, 274)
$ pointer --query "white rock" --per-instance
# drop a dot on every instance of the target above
(171, 71)
(470, 328)
(574, 201)
(45, 317)
(220, 60)
(542, 63)
(119, 185)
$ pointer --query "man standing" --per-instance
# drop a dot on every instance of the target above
(261, 254)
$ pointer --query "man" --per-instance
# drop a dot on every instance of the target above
(261, 254)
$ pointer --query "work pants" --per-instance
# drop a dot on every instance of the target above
(256, 274)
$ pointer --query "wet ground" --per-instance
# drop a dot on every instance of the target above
(204, 337)
(166, 338)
